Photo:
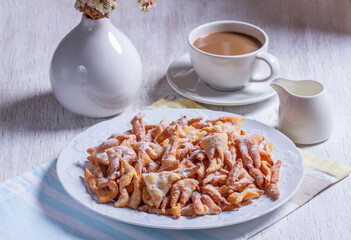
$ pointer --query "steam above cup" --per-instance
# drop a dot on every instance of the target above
(230, 72)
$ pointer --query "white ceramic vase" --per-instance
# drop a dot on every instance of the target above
(96, 70)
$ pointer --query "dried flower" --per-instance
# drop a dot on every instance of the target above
(146, 5)
(96, 9)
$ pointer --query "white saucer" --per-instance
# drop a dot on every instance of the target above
(183, 79)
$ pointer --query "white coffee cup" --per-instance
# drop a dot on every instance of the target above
(233, 72)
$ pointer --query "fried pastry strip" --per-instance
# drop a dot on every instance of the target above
(169, 160)
(138, 126)
(204, 205)
(247, 194)
(249, 149)
(183, 168)
(158, 184)
(265, 153)
(235, 172)
(271, 189)
(214, 146)
(213, 193)
(105, 190)
(182, 189)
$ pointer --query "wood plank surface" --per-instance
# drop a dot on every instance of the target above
(311, 38)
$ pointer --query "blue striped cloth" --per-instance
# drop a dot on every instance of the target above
(35, 206)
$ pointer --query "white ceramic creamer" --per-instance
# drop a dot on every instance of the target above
(305, 110)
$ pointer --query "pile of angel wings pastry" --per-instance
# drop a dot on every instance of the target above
(187, 167)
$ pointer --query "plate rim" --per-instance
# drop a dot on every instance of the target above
(170, 227)
(242, 103)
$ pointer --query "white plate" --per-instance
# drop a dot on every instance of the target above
(183, 79)
(72, 160)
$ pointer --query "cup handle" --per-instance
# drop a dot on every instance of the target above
(272, 63)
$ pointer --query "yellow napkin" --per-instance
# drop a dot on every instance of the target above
(178, 103)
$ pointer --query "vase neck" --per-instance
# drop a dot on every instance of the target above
(94, 23)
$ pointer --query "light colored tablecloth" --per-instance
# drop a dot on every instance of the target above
(35, 206)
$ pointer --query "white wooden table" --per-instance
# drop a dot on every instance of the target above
(312, 38)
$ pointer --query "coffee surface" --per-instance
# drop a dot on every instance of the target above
(227, 43)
